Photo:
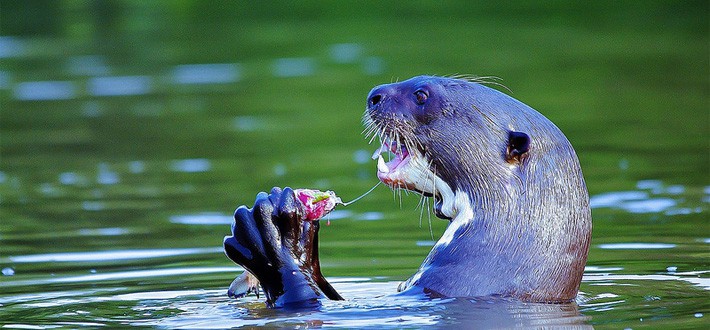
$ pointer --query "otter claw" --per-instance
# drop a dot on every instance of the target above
(243, 285)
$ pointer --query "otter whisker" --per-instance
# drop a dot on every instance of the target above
(422, 200)
(369, 130)
(399, 194)
(374, 136)
(433, 184)
(431, 229)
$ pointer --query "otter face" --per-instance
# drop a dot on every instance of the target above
(394, 114)
(431, 140)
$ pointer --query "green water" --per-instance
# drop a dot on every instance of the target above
(122, 156)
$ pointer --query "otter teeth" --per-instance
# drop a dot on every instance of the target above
(379, 151)
(381, 166)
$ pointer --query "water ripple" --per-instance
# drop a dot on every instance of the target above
(203, 219)
(620, 279)
(137, 274)
(110, 255)
(636, 246)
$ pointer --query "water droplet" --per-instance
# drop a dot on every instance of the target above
(8, 271)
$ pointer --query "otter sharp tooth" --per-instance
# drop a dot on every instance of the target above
(381, 166)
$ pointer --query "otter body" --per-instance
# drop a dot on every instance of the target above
(505, 177)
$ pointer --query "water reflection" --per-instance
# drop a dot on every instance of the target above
(158, 295)
(196, 165)
(86, 90)
(123, 276)
(87, 65)
(624, 279)
(216, 218)
(366, 308)
(373, 65)
(109, 256)
(345, 53)
(652, 197)
(72, 179)
(248, 123)
(120, 86)
(362, 156)
(4, 79)
(203, 219)
(635, 246)
(293, 67)
(370, 216)
(45, 90)
(11, 47)
(339, 214)
(136, 167)
(104, 232)
(106, 176)
(196, 74)
(93, 205)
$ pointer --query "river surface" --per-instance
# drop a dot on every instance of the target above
(130, 131)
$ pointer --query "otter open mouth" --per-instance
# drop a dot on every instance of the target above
(409, 169)
(393, 172)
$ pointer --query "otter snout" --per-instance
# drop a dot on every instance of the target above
(378, 95)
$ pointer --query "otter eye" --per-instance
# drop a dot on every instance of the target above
(421, 96)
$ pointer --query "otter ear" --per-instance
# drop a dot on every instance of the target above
(518, 145)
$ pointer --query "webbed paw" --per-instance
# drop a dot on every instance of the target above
(274, 243)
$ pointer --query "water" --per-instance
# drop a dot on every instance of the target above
(127, 140)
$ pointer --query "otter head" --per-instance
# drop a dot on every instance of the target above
(504, 175)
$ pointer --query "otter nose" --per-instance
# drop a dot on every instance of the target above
(377, 95)
(374, 99)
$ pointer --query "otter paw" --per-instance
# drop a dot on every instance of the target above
(274, 243)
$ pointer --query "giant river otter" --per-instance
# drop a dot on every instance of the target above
(505, 177)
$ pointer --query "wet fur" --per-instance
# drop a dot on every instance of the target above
(529, 232)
